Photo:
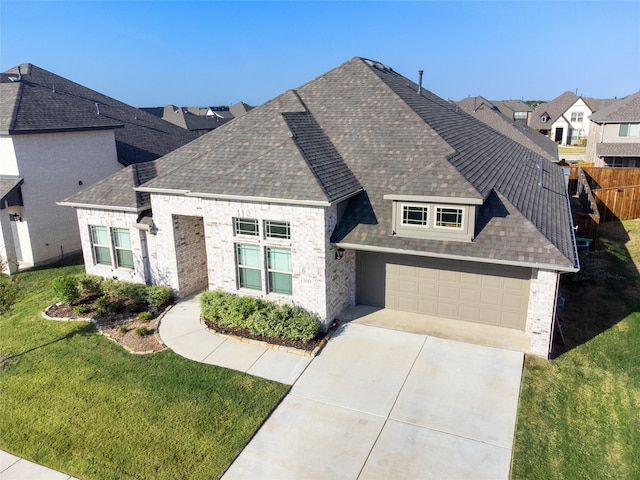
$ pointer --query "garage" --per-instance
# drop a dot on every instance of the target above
(474, 292)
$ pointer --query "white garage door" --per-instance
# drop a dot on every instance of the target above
(481, 293)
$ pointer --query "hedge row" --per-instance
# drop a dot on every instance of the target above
(260, 317)
(69, 288)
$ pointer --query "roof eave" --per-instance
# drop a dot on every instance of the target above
(60, 130)
(92, 206)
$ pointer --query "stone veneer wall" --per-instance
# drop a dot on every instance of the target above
(314, 265)
(541, 311)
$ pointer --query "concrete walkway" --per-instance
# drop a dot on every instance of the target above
(376, 403)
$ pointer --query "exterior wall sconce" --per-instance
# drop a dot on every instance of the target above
(339, 253)
(14, 217)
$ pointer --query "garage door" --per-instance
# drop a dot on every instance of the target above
(481, 293)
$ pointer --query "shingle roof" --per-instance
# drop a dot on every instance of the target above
(626, 109)
(363, 128)
(554, 108)
(618, 149)
(487, 112)
(44, 102)
(508, 107)
(8, 185)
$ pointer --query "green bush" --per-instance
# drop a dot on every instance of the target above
(115, 306)
(260, 317)
(145, 316)
(102, 303)
(91, 284)
(122, 329)
(136, 292)
(80, 309)
(157, 295)
(9, 290)
(66, 289)
(141, 331)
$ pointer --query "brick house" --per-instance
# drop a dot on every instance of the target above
(359, 187)
(57, 137)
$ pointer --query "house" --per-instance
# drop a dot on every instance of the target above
(614, 134)
(56, 138)
(516, 110)
(359, 187)
(199, 120)
(491, 114)
(565, 118)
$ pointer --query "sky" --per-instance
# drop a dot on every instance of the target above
(197, 53)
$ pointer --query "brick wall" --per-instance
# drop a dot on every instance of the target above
(191, 254)
(541, 311)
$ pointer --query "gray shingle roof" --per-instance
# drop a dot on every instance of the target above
(554, 108)
(618, 149)
(8, 185)
(626, 109)
(487, 112)
(45, 102)
(361, 125)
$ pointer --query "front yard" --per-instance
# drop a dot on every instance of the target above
(578, 414)
(77, 402)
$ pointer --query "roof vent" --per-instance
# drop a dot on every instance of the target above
(420, 72)
(18, 78)
(97, 108)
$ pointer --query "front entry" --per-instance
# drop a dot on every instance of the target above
(191, 254)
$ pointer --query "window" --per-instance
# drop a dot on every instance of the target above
(249, 269)
(277, 229)
(543, 119)
(100, 245)
(519, 115)
(449, 217)
(246, 226)
(413, 215)
(279, 269)
(629, 129)
(577, 116)
(122, 244)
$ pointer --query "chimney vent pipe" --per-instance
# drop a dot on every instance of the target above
(420, 72)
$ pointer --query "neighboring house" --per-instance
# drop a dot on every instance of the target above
(358, 187)
(199, 120)
(516, 110)
(614, 135)
(489, 113)
(56, 138)
(565, 118)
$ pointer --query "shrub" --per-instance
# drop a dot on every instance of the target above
(66, 289)
(115, 306)
(132, 307)
(145, 316)
(157, 295)
(111, 287)
(136, 292)
(122, 329)
(102, 303)
(80, 309)
(9, 290)
(91, 284)
(141, 331)
(214, 304)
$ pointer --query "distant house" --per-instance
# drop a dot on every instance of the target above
(199, 120)
(565, 118)
(491, 114)
(57, 138)
(614, 135)
(359, 187)
(516, 110)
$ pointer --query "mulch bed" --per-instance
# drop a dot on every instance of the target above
(309, 346)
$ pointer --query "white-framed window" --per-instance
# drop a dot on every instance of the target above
(100, 245)
(519, 115)
(415, 215)
(279, 270)
(449, 217)
(629, 129)
(122, 245)
(577, 117)
(249, 266)
(246, 226)
(543, 119)
(273, 229)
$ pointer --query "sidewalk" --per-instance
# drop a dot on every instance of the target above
(16, 468)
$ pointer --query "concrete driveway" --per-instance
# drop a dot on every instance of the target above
(380, 403)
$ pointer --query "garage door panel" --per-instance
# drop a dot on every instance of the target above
(489, 294)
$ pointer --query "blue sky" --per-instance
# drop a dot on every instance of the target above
(217, 53)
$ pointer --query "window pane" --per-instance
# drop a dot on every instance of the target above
(103, 256)
(246, 226)
(250, 278)
(624, 130)
(449, 217)
(99, 235)
(121, 237)
(277, 229)
(415, 215)
(125, 258)
(280, 283)
(634, 129)
(279, 259)
(249, 255)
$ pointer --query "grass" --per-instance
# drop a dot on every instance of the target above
(578, 414)
(72, 400)
(571, 150)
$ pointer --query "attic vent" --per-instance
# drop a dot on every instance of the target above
(379, 66)
(97, 108)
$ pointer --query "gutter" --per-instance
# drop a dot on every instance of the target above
(102, 207)
(514, 263)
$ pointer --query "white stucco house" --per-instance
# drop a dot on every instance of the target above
(56, 138)
(358, 188)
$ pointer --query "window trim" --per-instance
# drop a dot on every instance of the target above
(246, 233)
(270, 270)
(240, 267)
(459, 227)
(579, 117)
(117, 248)
(426, 208)
(92, 237)
(628, 125)
(269, 224)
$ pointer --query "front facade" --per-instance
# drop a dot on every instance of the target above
(321, 203)
(614, 135)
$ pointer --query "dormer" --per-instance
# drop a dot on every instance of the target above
(437, 218)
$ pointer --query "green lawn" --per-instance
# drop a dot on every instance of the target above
(77, 402)
(579, 414)
(571, 150)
